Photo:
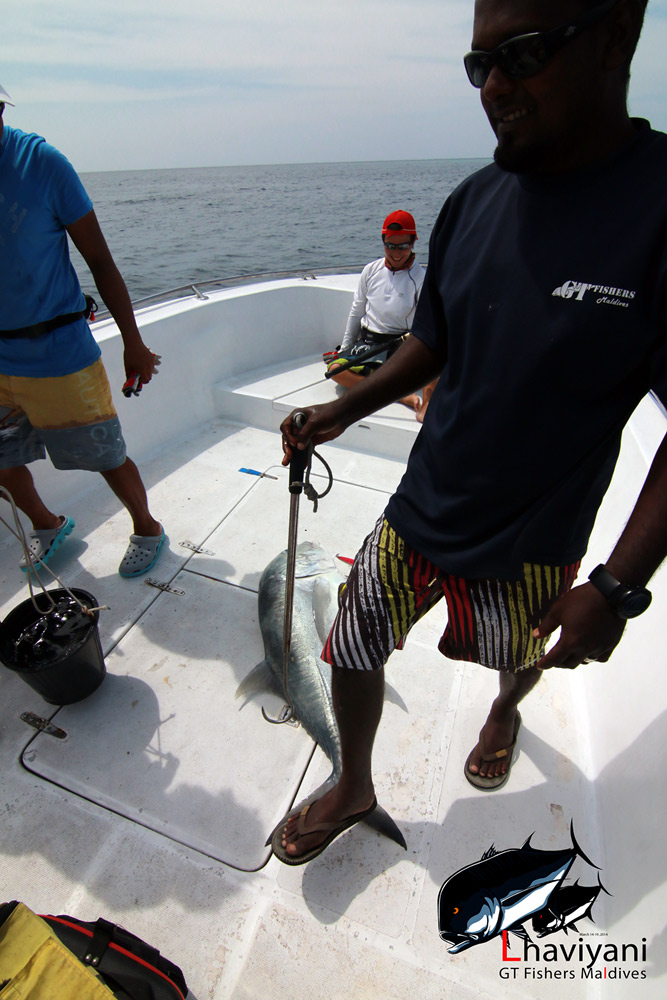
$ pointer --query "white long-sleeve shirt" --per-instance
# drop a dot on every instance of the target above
(385, 301)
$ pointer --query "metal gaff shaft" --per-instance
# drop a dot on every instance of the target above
(298, 465)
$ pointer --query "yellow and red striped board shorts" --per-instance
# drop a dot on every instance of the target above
(70, 416)
(391, 586)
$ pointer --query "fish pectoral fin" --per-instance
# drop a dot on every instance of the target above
(260, 680)
(520, 932)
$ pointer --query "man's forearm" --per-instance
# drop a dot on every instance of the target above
(643, 543)
(115, 296)
(411, 367)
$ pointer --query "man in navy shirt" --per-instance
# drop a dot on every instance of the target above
(546, 333)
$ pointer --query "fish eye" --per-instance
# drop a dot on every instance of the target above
(455, 909)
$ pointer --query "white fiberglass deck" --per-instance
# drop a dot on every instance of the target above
(155, 809)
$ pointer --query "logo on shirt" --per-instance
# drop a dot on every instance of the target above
(606, 295)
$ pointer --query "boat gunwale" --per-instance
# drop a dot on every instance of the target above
(196, 289)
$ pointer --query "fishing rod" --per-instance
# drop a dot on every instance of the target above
(365, 356)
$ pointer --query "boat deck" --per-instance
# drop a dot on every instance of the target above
(154, 810)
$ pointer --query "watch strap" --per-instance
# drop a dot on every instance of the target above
(603, 581)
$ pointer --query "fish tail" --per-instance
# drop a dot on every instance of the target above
(578, 849)
(378, 820)
(381, 821)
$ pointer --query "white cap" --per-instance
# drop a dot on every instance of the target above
(4, 97)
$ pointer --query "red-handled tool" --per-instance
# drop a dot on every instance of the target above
(133, 383)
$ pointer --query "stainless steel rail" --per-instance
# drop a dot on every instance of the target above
(198, 289)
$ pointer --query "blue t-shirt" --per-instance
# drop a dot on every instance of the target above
(548, 297)
(40, 194)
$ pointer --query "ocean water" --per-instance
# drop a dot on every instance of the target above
(168, 228)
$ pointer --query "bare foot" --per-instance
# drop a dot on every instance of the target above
(421, 411)
(331, 808)
(497, 733)
(413, 401)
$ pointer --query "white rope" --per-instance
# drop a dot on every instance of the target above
(31, 566)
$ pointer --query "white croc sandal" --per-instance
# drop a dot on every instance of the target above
(45, 542)
(141, 555)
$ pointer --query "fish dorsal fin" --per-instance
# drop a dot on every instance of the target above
(527, 843)
(602, 887)
(490, 853)
(260, 679)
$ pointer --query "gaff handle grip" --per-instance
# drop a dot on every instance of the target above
(300, 458)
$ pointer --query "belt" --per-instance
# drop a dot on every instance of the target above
(39, 329)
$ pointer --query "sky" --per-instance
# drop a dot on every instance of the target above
(144, 84)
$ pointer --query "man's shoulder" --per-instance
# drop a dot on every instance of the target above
(372, 268)
(489, 174)
(657, 141)
(29, 147)
(489, 178)
(17, 141)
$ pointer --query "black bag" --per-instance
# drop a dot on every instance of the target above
(131, 968)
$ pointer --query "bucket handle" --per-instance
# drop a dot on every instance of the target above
(20, 534)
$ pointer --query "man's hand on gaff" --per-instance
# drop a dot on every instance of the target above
(321, 425)
(589, 629)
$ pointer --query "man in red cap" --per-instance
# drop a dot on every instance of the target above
(383, 309)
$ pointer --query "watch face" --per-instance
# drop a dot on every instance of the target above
(634, 603)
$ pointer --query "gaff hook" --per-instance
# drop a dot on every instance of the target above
(299, 463)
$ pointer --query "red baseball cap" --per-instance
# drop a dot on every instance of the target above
(399, 224)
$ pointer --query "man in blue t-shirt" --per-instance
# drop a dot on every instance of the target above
(546, 333)
(54, 393)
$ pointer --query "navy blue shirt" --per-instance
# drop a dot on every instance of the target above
(548, 297)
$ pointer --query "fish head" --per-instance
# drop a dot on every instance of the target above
(546, 922)
(312, 560)
(465, 919)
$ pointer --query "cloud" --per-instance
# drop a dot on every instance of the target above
(148, 83)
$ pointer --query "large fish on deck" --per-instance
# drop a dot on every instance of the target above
(316, 584)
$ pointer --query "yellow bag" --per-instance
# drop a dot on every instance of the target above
(34, 965)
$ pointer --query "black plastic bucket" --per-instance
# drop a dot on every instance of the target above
(63, 676)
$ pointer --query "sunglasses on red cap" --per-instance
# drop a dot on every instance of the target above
(526, 55)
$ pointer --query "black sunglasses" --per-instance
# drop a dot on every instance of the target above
(397, 246)
(525, 55)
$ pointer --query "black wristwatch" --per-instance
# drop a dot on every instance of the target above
(625, 601)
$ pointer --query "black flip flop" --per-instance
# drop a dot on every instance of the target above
(334, 830)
